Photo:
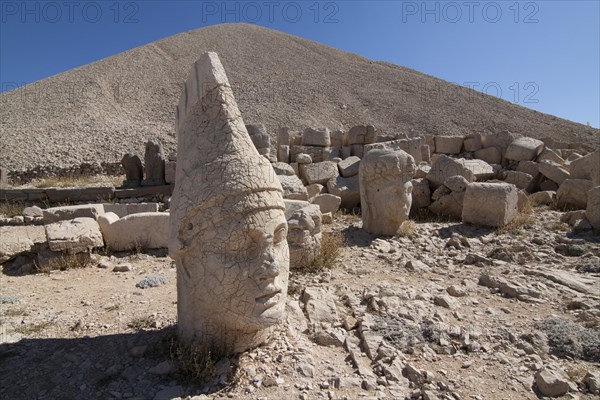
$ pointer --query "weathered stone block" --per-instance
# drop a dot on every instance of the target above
(528, 167)
(421, 193)
(448, 144)
(59, 195)
(491, 155)
(520, 179)
(319, 172)
(411, 146)
(357, 135)
(141, 230)
(593, 207)
(524, 149)
(292, 187)
(349, 166)
(328, 203)
(348, 189)
(490, 204)
(581, 168)
(472, 142)
(74, 236)
(55, 214)
(444, 167)
(170, 168)
(554, 171)
(572, 194)
(316, 137)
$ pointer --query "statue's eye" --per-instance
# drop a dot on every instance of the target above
(280, 235)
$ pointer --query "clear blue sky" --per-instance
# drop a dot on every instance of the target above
(539, 54)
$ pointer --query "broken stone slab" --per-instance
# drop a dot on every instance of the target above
(543, 198)
(360, 362)
(348, 189)
(58, 195)
(528, 167)
(499, 139)
(316, 137)
(283, 153)
(349, 166)
(490, 204)
(550, 155)
(448, 144)
(55, 214)
(319, 172)
(411, 146)
(565, 278)
(472, 142)
(573, 193)
(282, 168)
(328, 203)
(147, 191)
(524, 149)
(259, 136)
(293, 188)
(444, 167)
(15, 240)
(554, 172)
(581, 168)
(481, 169)
(593, 207)
(491, 155)
(74, 236)
(148, 230)
(520, 179)
(319, 306)
(125, 209)
(450, 205)
(316, 153)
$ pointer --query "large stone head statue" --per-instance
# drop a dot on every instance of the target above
(385, 190)
(228, 228)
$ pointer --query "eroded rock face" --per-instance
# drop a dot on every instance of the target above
(228, 228)
(385, 190)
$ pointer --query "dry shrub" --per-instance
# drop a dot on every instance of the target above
(407, 229)
(140, 323)
(330, 250)
(523, 218)
(11, 208)
(65, 262)
(77, 180)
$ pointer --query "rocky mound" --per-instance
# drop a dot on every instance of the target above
(99, 111)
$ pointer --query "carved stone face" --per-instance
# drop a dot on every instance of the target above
(386, 190)
(242, 277)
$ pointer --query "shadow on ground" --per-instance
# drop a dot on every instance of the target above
(122, 365)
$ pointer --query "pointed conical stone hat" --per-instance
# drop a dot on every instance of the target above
(220, 175)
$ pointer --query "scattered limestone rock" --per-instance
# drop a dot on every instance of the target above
(348, 189)
(349, 166)
(593, 207)
(33, 211)
(320, 306)
(15, 240)
(551, 383)
(316, 137)
(554, 172)
(444, 167)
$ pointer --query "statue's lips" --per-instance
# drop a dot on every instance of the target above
(270, 299)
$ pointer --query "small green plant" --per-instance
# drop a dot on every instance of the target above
(65, 262)
(330, 250)
(11, 208)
